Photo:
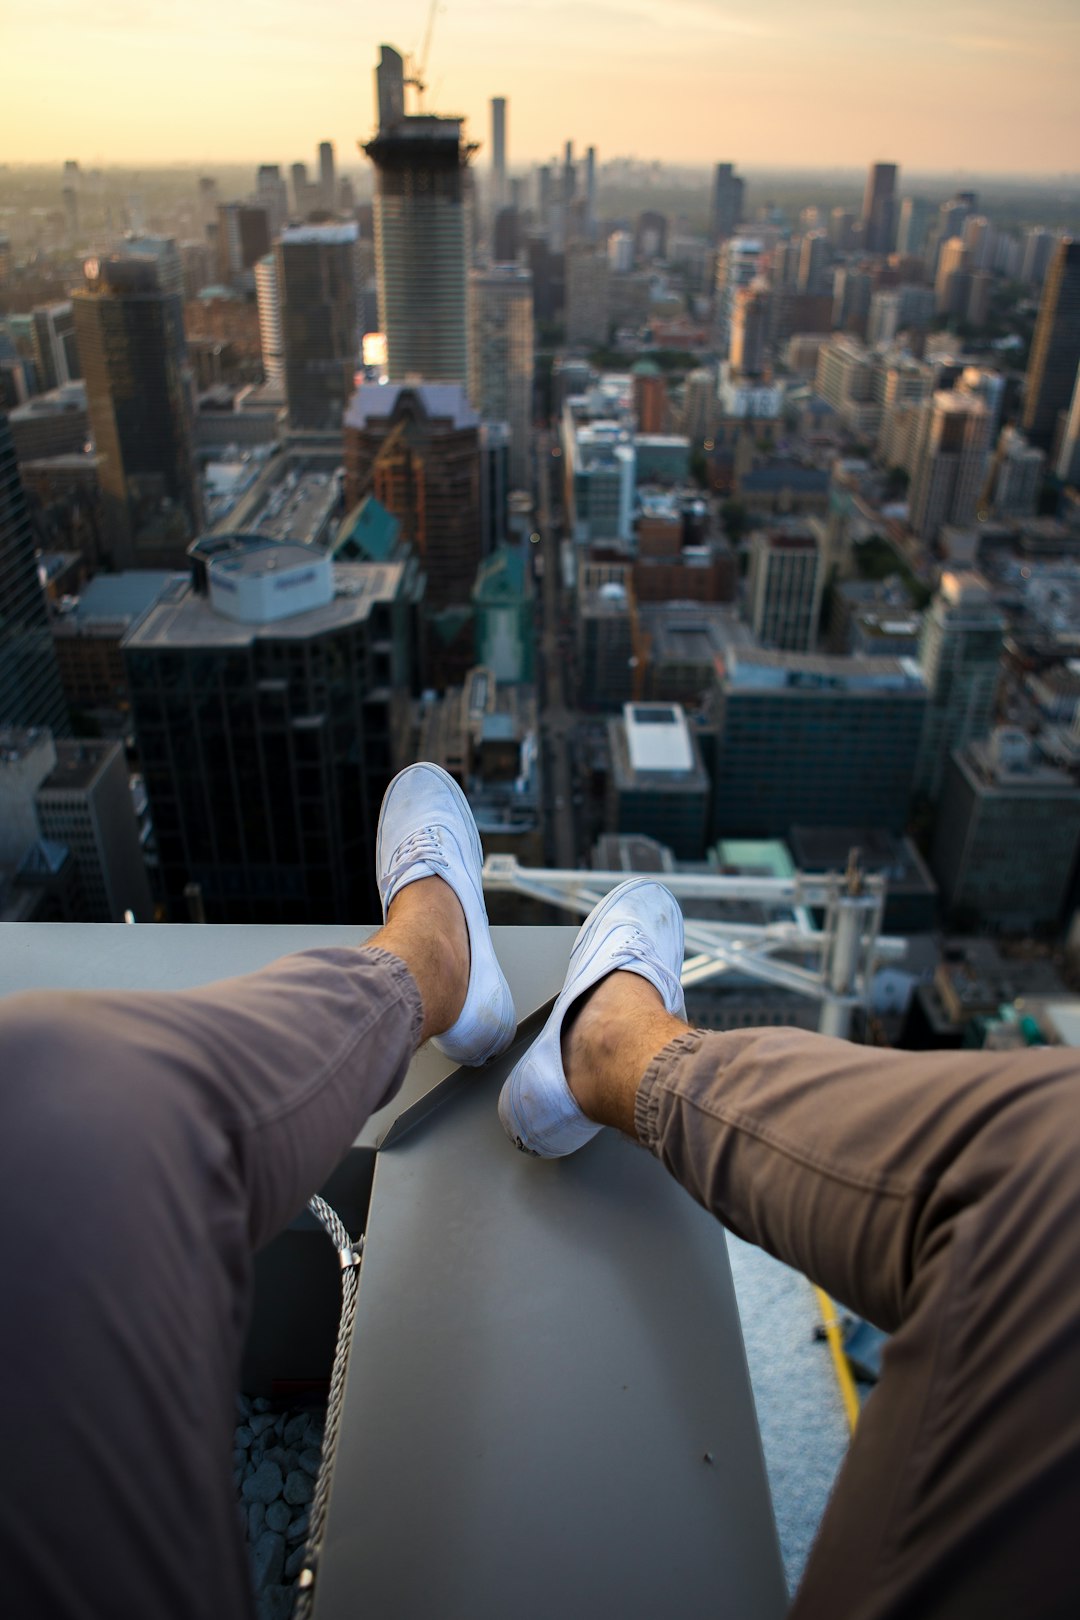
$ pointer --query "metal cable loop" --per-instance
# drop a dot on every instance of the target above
(349, 1255)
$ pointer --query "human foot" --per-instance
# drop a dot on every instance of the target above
(637, 929)
(427, 830)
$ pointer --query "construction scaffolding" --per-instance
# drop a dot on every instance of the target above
(833, 964)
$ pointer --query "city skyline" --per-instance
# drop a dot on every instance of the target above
(678, 82)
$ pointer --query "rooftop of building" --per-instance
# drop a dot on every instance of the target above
(183, 619)
(630, 852)
(754, 668)
(19, 742)
(109, 602)
(78, 765)
(290, 495)
(314, 235)
(827, 849)
(376, 402)
(69, 398)
(1012, 765)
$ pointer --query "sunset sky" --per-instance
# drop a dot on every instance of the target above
(932, 84)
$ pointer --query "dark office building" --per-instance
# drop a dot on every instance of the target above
(138, 392)
(878, 208)
(1055, 349)
(506, 236)
(30, 690)
(317, 277)
(726, 203)
(269, 695)
(803, 740)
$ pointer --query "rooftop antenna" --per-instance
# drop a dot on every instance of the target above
(418, 64)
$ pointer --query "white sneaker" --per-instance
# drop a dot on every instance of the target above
(637, 928)
(426, 829)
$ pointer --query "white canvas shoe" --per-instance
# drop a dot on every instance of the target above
(637, 928)
(426, 829)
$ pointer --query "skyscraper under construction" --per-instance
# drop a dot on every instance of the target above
(423, 227)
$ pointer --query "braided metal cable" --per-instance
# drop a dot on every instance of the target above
(349, 1255)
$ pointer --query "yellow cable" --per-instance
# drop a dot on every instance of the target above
(848, 1391)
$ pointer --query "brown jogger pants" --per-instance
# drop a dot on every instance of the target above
(150, 1142)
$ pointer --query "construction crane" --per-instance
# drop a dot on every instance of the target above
(418, 65)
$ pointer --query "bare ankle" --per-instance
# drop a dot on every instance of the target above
(610, 1038)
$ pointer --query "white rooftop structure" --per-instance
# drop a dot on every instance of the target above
(658, 737)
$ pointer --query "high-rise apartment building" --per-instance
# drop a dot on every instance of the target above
(139, 398)
(317, 274)
(916, 217)
(302, 189)
(271, 192)
(587, 296)
(56, 353)
(30, 689)
(271, 332)
(417, 450)
(423, 234)
(737, 264)
(1055, 348)
(726, 203)
(749, 330)
(501, 357)
(950, 462)
(813, 259)
(327, 176)
(85, 802)
(1016, 476)
(785, 585)
(243, 238)
(878, 208)
(960, 655)
(1039, 246)
(952, 283)
(269, 696)
(498, 153)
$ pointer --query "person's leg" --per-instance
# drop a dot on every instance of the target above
(148, 1144)
(939, 1196)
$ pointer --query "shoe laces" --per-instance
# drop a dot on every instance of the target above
(423, 845)
(640, 945)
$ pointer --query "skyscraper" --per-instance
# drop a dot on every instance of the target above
(30, 690)
(726, 203)
(785, 585)
(498, 153)
(423, 232)
(916, 214)
(139, 398)
(590, 192)
(501, 357)
(317, 276)
(271, 336)
(56, 353)
(417, 450)
(950, 462)
(269, 697)
(327, 177)
(878, 204)
(1055, 348)
(960, 653)
(243, 236)
(271, 193)
(587, 296)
